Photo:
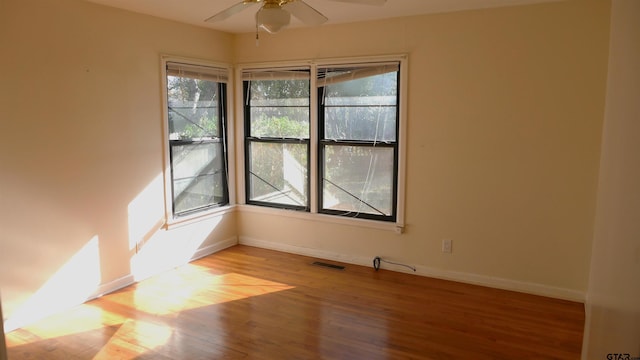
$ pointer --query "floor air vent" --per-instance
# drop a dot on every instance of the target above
(327, 265)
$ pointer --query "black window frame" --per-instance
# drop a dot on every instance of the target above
(221, 139)
(250, 139)
(323, 143)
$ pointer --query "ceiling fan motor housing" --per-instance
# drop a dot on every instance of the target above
(272, 18)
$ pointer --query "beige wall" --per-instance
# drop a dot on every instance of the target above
(613, 301)
(81, 154)
(504, 121)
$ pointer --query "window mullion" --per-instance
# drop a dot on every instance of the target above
(313, 142)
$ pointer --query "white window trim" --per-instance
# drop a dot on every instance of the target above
(313, 215)
(170, 220)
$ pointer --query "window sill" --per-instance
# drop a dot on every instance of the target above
(364, 223)
(173, 223)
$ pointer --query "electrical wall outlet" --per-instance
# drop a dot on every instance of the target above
(446, 246)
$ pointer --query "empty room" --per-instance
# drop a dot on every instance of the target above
(320, 179)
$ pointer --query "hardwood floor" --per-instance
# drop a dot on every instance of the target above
(253, 303)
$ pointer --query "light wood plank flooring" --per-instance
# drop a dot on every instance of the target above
(250, 303)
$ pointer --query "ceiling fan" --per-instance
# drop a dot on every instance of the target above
(274, 15)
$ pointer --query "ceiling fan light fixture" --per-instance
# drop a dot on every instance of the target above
(272, 19)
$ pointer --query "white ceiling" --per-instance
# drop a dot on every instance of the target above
(196, 11)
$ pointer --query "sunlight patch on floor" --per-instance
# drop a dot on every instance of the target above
(203, 289)
(80, 319)
(134, 338)
(163, 297)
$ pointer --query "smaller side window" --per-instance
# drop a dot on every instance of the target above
(196, 98)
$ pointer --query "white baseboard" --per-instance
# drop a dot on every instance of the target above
(504, 284)
(112, 286)
(130, 279)
(214, 248)
(292, 249)
(468, 278)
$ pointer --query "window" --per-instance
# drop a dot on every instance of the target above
(196, 111)
(358, 112)
(276, 104)
(325, 138)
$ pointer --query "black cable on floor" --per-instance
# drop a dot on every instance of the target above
(377, 260)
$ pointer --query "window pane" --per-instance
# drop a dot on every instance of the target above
(362, 109)
(358, 179)
(279, 108)
(283, 122)
(295, 90)
(198, 176)
(360, 123)
(278, 173)
(193, 108)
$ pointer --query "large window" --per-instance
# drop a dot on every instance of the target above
(325, 139)
(358, 140)
(276, 110)
(196, 109)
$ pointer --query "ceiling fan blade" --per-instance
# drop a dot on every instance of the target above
(305, 13)
(224, 14)
(365, 2)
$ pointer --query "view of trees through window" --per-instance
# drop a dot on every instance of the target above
(197, 149)
(193, 108)
(358, 133)
(277, 125)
